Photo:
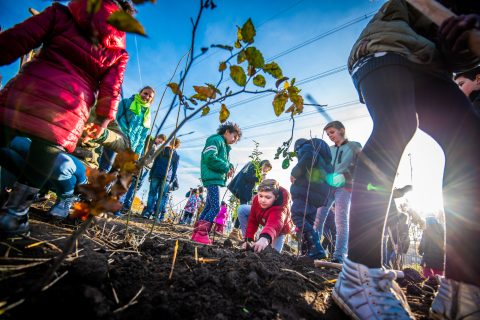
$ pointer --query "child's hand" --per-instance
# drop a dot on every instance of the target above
(260, 245)
(92, 131)
(453, 32)
(247, 245)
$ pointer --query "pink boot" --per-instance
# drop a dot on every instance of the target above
(200, 232)
(219, 229)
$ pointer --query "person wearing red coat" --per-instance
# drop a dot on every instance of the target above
(270, 209)
(81, 63)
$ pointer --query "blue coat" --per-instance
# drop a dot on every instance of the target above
(159, 167)
(313, 150)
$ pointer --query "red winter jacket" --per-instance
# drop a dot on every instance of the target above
(276, 219)
(51, 96)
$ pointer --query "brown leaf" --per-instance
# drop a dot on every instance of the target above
(206, 91)
(224, 113)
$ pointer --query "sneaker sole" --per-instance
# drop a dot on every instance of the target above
(344, 307)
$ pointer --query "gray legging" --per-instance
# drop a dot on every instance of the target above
(394, 95)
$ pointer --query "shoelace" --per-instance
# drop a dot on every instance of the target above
(385, 298)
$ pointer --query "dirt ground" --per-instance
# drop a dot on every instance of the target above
(109, 277)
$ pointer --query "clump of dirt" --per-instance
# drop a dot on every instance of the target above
(108, 277)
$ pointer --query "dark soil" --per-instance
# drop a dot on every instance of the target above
(108, 277)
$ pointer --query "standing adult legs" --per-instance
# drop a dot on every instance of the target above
(389, 95)
(445, 114)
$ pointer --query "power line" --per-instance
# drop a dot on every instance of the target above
(323, 35)
(302, 115)
(312, 40)
(277, 132)
(258, 27)
(317, 76)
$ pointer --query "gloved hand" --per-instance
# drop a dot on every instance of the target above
(92, 131)
(335, 180)
(260, 245)
(453, 33)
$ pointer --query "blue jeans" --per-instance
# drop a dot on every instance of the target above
(68, 171)
(106, 160)
(341, 198)
(154, 194)
(243, 212)
(127, 201)
(299, 206)
(212, 204)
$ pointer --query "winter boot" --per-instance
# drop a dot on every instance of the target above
(370, 293)
(61, 208)
(14, 213)
(219, 229)
(235, 235)
(314, 248)
(200, 232)
(456, 300)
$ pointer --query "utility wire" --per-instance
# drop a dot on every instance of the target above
(274, 121)
(315, 77)
(311, 40)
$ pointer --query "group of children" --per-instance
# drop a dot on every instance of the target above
(402, 67)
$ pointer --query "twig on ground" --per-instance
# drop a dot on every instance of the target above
(10, 306)
(115, 296)
(55, 281)
(21, 266)
(303, 277)
(175, 250)
(131, 302)
(326, 264)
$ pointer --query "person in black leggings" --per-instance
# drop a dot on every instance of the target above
(403, 74)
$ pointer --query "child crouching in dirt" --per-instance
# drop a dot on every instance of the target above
(82, 60)
(215, 169)
(270, 210)
(221, 219)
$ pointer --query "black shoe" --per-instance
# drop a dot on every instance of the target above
(12, 225)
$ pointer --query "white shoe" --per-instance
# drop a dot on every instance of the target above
(456, 300)
(367, 293)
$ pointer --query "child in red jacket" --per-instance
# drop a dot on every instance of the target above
(269, 209)
(81, 63)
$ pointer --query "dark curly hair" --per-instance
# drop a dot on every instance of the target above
(230, 127)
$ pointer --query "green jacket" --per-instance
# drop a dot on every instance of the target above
(112, 138)
(397, 27)
(215, 161)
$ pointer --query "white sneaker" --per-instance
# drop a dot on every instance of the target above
(456, 300)
(365, 293)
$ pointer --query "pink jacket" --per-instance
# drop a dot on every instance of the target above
(221, 216)
(51, 96)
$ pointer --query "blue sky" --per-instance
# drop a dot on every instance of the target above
(309, 39)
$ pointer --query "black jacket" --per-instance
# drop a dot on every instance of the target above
(243, 183)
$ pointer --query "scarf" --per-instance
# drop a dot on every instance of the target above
(136, 108)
